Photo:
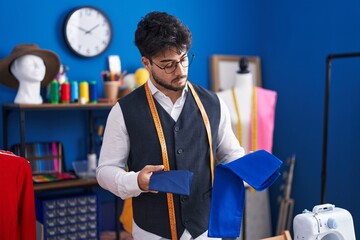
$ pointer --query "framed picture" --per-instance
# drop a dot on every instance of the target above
(223, 70)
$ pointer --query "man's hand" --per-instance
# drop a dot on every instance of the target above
(145, 174)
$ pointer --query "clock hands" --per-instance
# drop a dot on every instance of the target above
(87, 31)
(82, 29)
(91, 29)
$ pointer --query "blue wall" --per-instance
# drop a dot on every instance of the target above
(292, 40)
(299, 36)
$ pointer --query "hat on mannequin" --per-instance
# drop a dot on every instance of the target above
(51, 60)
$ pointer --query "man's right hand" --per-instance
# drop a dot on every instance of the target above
(145, 174)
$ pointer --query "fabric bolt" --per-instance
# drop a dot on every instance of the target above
(259, 169)
(174, 181)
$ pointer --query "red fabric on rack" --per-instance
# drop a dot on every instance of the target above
(17, 207)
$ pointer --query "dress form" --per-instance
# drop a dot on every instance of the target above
(243, 90)
(29, 70)
(257, 221)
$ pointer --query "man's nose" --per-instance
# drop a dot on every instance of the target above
(179, 69)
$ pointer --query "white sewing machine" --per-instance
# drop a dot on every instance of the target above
(324, 222)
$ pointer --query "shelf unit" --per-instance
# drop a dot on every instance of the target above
(22, 109)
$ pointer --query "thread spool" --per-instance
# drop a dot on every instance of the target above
(84, 92)
(74, 91)
(93, 92)
(54, 92)
(65, 92)
(92, 162)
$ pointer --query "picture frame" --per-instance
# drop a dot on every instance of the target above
(223, 70)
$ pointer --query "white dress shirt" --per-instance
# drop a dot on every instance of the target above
(111, 173)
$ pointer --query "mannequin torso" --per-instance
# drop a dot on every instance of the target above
(243, 89)
(29, 70)
(256, 133)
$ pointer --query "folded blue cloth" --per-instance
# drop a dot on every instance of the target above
(259, 169)
(174, 181)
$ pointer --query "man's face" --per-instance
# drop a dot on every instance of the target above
(169, 70)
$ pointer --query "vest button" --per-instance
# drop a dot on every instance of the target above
(179, 151)
(177, 129)
(183, 199)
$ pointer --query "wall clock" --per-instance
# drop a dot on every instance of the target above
(87, 31)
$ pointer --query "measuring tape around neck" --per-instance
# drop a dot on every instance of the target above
(160, 133)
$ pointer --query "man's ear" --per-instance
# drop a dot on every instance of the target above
(146, 62)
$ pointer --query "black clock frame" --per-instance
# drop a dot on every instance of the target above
(67, 41)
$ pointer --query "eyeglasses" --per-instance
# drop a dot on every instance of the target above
(171, 66)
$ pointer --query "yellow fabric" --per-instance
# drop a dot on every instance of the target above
(126, 216)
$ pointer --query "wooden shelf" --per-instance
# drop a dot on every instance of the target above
(60, 106)
(81, 182)
(22, 109)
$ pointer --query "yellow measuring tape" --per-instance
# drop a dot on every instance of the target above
(254, 119)
(254, 125)
(207, 126)
(239, 128)
(160, 133)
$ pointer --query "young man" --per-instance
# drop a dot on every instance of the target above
(162, 125)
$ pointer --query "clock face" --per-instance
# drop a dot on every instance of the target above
(87, 31)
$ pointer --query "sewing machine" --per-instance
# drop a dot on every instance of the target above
(324, 222)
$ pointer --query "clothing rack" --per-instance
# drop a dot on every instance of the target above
(329, 58)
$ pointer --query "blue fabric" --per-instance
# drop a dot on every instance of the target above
(259, 169)
(174, 181)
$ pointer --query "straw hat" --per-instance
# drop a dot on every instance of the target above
(51, 60)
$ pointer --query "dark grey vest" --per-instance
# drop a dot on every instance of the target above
(188, 149)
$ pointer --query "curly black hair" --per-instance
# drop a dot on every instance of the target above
(160, 31)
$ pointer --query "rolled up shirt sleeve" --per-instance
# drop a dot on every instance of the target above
(111, 172)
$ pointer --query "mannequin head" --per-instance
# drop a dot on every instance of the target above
(28, 68)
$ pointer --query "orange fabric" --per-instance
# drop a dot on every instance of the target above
(126, 216)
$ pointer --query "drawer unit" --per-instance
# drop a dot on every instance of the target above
(73, 217)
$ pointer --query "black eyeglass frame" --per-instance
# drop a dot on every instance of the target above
(175, 63)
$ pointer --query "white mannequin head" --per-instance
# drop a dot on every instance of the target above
(29, 70)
